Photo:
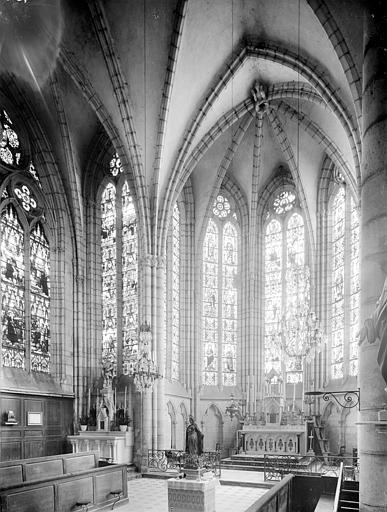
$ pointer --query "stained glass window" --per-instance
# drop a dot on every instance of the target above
(119, 260)
(345, 283)
(355, 290)
(273, 293)
(338, 248)
(210, 304)
(40, 300)
(220, 295)
(129, 279)
(115, 166)
(25, 285)
(229, 303)
(109, 276)
(12, 289)
(296, 288)
(9, 145)
(285, 289)
(175, 293)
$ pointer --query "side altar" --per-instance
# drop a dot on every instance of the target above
(117, 446)
(273, 438)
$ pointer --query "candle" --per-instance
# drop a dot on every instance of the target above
(88, 401)
(125, 397)
(115, 398)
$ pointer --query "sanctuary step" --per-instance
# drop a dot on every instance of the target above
(245, 462)
(257, 463)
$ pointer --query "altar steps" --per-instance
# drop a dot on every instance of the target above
(245, 462)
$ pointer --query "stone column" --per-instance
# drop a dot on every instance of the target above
(146, 396)
(159, 336)
(373, 445)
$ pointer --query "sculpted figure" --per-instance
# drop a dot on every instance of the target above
(375, 328)
(193, 438)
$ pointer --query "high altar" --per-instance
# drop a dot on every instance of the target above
(273, 438)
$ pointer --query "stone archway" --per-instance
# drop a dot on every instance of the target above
(212, 428)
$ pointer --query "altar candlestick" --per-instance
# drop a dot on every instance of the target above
(125, 397)
(88, 401)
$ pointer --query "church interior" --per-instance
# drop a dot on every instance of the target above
(193, 219)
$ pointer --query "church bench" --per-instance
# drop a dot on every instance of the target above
(61, 483)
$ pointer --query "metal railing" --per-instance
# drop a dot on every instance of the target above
(174, 461)
(276, 466)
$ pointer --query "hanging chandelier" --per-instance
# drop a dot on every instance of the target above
(298, 334)
(144, 369)
(234, 409)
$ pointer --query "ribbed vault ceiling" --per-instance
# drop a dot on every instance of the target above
(170, 82)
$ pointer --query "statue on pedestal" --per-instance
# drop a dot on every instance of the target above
(103, 417)
(193, 438)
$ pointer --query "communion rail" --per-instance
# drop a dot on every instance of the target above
(276, 466)
(174, 461)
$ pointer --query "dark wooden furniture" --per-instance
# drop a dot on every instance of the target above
(61, 483)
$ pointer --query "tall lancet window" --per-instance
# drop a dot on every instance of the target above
(285, 286)
(24, 261)
(119, 270)
(220, 295)
(109, 275)
(129, 279)
(344, 282)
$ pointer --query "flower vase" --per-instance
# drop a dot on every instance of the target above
(83, 428)
(123, 428)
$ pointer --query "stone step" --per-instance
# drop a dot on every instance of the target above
(243, 462)
(244, 468)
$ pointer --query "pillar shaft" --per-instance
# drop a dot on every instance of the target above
(372, 444)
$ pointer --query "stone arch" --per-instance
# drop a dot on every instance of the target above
(212, 428)
(171, 435)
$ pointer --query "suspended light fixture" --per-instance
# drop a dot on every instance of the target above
(235, 408)
(299, 335)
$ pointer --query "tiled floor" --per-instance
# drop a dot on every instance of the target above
(151, 495)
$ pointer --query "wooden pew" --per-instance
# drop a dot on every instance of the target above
(70, 482)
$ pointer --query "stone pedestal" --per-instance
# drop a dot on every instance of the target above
(191, 495)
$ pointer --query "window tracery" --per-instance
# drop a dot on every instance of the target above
(344, 277)
(285, 289)
(220, 295)
(25, 282)
(10, 153)
(119, 260)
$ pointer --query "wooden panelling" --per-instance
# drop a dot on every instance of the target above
(33, 500)
(12, 433)
(45, 469)
(53, 412)
(69, 493)
(33, 433)
(54, 446)
(75, 464)
(33, 449)
(23, 440)
(11, 450)
(10, 476)
(105, 483)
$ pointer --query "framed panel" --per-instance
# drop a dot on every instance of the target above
(34, 418)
